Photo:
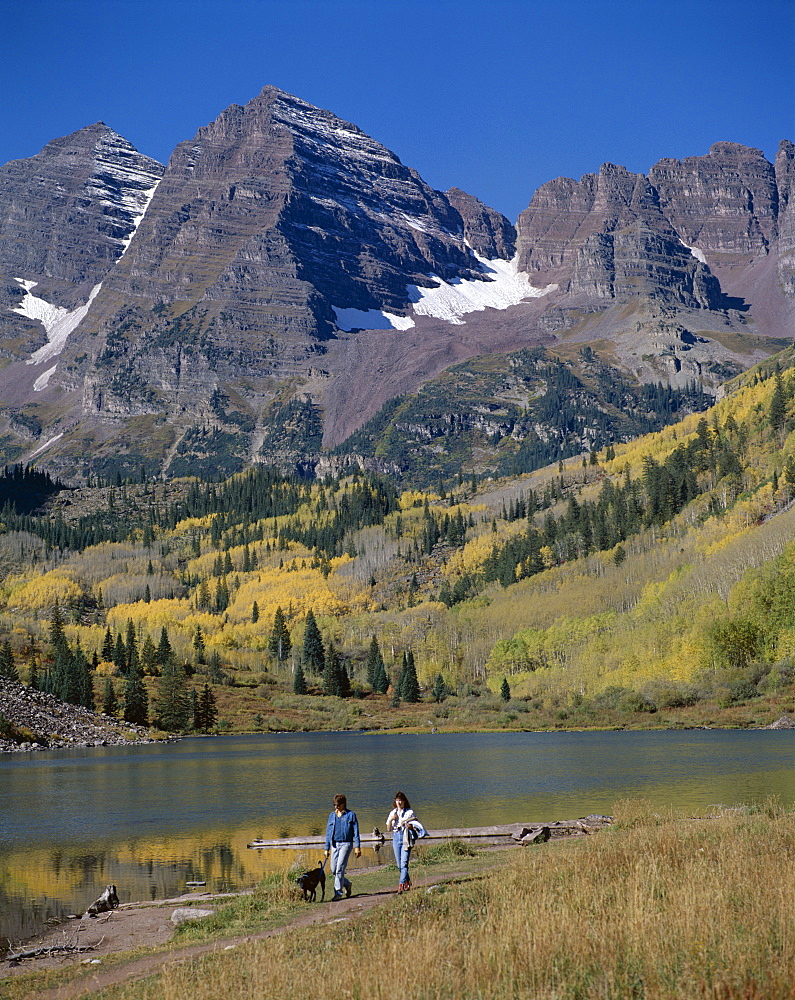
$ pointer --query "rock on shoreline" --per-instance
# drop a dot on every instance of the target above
(43, 722)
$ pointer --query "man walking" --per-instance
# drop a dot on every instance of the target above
(342, 837)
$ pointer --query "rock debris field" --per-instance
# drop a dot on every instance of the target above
(33, 720)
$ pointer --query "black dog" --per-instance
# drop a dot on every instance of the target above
(310, 880)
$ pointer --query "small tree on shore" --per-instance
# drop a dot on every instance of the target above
(136, 700)
(408, 684)
(279, 643)
(110, 703)
(313, 655)
(299, 681)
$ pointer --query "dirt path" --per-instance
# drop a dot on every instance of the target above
(138, 925)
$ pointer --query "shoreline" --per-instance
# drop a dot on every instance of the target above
(784, 722)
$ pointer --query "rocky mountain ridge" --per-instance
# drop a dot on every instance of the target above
(265, 293)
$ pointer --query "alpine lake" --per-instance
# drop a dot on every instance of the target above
(153, 818)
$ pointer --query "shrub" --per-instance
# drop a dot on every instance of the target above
(8, 730)
(634, 701)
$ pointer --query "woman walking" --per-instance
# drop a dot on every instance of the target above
(398, 824)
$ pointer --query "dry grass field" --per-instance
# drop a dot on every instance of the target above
(659, 906)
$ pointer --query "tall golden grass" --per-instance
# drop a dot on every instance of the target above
(656, 907)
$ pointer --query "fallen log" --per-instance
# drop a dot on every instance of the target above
(558, 828)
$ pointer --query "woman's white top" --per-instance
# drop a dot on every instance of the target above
(398, 819)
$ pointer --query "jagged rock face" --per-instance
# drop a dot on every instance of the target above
(66, 214)
(723, 203)
(278, 211)
(785, 183)
(638, 262)
(617, 236)
(488, 233)
(216, 331)
(606, 238)
(564, 213)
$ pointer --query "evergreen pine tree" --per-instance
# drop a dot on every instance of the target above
(59, 676)
(107, 646)
(343, 679)
(216, 672)
(82, 683)
(131, 646)
(299, 681)
(313, 656)
(409, 685)
(505, 690)
(331, 672)
(57, 634)
(8, 667)
(279, 644)
(207, 709)
(198, 644)
(778, 403)
(221, 596)
(120, 655)
(148, 658)
(381, 681)
(164, 657)
(172, 705)
(373, 654)
(110, 703)
(33, 672)
(254, 613)
(439, 689)
(136, 700)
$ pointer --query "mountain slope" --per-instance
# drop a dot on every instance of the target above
(289, 264)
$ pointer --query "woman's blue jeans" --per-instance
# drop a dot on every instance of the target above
(401, 855)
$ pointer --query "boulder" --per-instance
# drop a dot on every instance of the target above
(184, 913)
(785, 722)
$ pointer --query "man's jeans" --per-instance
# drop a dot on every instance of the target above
(339, 862)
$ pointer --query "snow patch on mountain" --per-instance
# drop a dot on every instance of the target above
(45, 446)
(142, 205)
(44, 379)
(370, 319)
(503, 286)
(56, 320)
(698, 254)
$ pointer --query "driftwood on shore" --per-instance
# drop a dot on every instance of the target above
(514, 832)
(67, 948)
(108, 901)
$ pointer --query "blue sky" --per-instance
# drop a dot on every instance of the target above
(494, 96)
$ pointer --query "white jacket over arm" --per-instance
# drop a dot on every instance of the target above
(398, 819)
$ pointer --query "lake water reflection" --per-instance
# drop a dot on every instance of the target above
(151, 818)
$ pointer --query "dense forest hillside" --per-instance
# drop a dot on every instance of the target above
(647, 583)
